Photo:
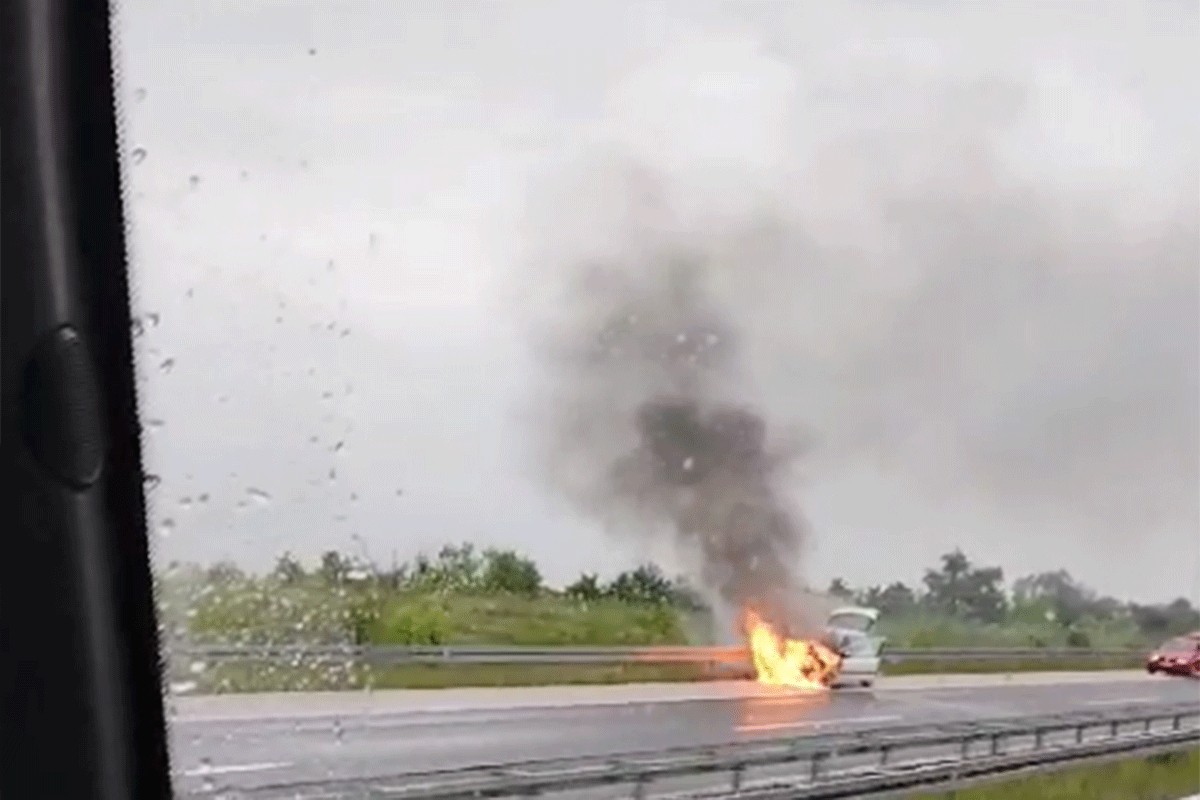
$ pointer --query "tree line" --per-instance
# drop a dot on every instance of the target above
(959, 588)
(956, 588)
(462, 568)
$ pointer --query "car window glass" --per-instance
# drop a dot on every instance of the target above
(477, 329)
(854, 622)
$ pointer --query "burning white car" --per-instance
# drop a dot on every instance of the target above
(848, 630)
(846, 654)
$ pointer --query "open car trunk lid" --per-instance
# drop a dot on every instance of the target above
(850, 629)
(853, 618)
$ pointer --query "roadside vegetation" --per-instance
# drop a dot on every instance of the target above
(1159, 777)
(465, 596)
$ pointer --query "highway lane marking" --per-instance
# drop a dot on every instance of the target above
(814, 723)
(227, 769)
(1120, 701)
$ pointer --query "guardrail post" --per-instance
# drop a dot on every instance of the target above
(1115, 728)
(1079, 734)
(1149, 720)
(815, 768)
(885, 752)
(1176, 722)
(737, 777)
(996, 743)
(965, 750)
(639, 788)
(1038, 737)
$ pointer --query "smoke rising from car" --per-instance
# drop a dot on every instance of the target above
(649, 427)
(974, 269)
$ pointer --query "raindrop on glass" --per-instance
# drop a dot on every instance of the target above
(166, 527)
(151, 481)
(259, 494)
(138, 155)
(139, 94)
(193, 181)
(167, 365)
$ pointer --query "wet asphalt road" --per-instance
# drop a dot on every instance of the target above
(223, 743)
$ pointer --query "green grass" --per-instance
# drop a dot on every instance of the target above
(934, 630)
(265, 612)
(262, 611)
(1159, 777)
(514, 620)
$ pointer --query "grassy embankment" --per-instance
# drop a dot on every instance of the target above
(262, 611)
(1159, 777)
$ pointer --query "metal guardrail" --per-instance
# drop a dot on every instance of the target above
(487, 654)
(842, 765)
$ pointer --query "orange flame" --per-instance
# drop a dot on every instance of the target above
(798, 663)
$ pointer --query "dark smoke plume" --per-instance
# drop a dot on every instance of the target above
(968, 268)
(650, 426)
(709, 472)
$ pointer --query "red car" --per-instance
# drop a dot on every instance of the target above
(1179, 656)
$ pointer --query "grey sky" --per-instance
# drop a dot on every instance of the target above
(990, 336)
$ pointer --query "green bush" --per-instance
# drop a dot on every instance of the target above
(410, 621)
(264, 611)
(506, 571)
